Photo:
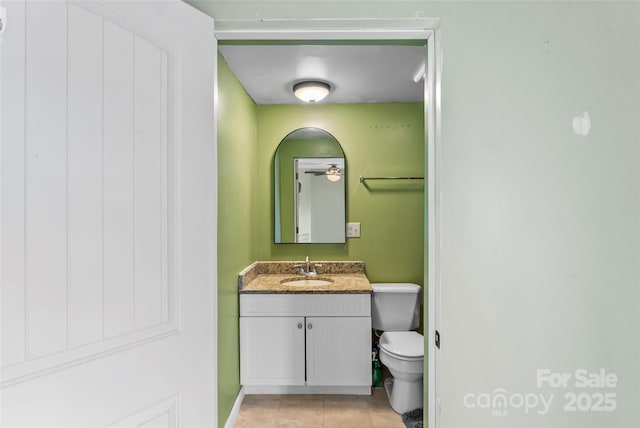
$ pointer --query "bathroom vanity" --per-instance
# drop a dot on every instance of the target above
(307, 336)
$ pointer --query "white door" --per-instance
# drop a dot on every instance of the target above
(108, 215)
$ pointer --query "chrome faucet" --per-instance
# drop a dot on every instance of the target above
(308, 269)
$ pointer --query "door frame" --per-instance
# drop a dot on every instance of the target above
(426, 29)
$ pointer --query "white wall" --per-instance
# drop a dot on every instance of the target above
(540, 226)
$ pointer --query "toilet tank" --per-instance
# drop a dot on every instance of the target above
(395, 306)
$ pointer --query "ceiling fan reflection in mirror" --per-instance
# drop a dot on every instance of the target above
(333, 173)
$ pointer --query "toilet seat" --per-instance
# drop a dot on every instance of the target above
(404, 345)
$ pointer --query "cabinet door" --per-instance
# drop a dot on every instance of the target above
(338, 351)
(272, 350)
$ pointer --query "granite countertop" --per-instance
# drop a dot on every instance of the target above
(267, 277)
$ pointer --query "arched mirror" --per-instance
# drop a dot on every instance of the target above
(309, 188)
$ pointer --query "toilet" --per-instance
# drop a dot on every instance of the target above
(395, 310)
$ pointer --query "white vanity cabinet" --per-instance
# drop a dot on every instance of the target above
(297, 343)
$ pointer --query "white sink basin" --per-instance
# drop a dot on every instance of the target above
(306, 282)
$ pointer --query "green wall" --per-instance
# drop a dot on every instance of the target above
(378, 140)
(237, 234)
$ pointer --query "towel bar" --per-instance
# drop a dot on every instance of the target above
(363, 179)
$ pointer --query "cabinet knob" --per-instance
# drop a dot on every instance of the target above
(299, 325)
(309, 326)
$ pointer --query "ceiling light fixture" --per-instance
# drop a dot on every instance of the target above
(311, 91)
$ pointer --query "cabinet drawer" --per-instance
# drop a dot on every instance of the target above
(253, 305)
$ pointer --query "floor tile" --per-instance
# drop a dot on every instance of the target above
(318, 411)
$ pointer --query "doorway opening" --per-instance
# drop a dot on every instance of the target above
(360, 33)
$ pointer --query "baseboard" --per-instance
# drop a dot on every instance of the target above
(235, 409)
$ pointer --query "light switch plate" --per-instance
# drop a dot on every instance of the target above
(353, 230)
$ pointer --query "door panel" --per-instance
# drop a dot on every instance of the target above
(338, 351)
(272, 350)
(84, 214)
(65, 210)
(12, 214)
(118, 174)
(108, 212)
(44, 147)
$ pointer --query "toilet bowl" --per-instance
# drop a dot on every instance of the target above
(402, 353)
(395, 311)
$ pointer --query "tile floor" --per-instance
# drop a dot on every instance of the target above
(318, 411)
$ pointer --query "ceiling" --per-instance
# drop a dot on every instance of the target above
(356, 73)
